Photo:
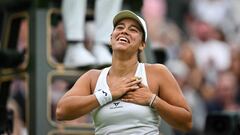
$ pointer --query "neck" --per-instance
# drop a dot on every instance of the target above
(123, 68)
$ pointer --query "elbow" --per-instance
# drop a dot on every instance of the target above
(187, 126)
(188, 122)
(59, 114)
(184, 127)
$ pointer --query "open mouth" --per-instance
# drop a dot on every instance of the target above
(123, 39)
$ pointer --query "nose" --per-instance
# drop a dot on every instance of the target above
(124, 31)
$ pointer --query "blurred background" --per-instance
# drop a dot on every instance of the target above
(198, 40)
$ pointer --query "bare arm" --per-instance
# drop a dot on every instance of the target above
(170, 103)
(78, 101)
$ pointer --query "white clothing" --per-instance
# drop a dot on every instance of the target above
(211, 11)
(214, 54)
(123, 118)
(74, 12)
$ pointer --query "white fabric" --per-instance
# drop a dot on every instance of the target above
(104, 13)
(102, 94)
(74, 12)
(211, 11)
(122, 118)
(214, 54)
(77, 55)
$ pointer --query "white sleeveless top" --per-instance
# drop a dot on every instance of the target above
(123, 118)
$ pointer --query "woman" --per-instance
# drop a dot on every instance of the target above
(128, 97)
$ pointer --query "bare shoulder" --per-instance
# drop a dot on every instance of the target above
(156, 74)
(92, 75)
(87, 82)
(94, 72)
(156, 68)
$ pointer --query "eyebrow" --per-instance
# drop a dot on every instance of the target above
(136, 26)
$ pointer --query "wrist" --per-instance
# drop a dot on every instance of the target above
(103, 96)
(152, 99)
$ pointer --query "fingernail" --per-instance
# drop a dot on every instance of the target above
(136, 87)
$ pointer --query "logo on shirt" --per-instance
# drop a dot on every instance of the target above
(116, 105)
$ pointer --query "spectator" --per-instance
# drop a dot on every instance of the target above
(226, 92)
(74, 18)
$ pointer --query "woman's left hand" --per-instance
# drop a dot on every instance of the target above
(141, 96)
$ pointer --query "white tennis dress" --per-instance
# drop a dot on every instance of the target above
(123, 118)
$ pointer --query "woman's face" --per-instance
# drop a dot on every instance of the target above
(127, 35)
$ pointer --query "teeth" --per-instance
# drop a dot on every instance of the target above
(123, 39)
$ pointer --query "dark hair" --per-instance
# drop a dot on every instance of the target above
(139, 56)
(143, 34)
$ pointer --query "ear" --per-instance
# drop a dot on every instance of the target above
(142, 46)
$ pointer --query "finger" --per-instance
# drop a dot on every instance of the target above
(126, 97)
(134, 87)
(131, 88)
(134, 78)
(127, 100)
(129, 94)
(141, 85)
(134, 82)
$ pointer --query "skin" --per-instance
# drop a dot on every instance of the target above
(169, 103)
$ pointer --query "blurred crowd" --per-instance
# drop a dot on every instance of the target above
(202, 51)
(198, 40)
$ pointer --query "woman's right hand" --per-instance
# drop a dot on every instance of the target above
(121, 87)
